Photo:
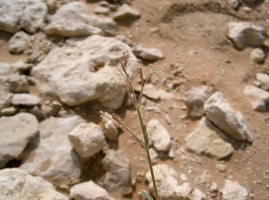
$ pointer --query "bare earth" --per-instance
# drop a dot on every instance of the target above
(193, 35)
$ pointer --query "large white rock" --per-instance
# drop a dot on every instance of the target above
(167, 184)
(158, 135)
(81, 72)
(25, 99)
(87, 139)
(259, 98)
(89, 190)
(209, 140)
(195, 98)
(72, 19)
(219, 111)
(15, 133)
(117, 177)
(244, 34)
(51, 155)
(22, 14)
(16, 184)
(233, 191)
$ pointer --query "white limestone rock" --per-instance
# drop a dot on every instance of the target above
(22, 14)
(5, 95)
(234, 191)
(25, 100)
(264, 80)
(19, 42)
(259, 98)
(87, 139)
(149, 54)
(158, 135)
(110, 130)
(89, 191)
(81, 72)
(18, 84)
(15, 133)
(125, 12)
(209, 140)
(51, 155)
(167, 184)
(16, 184)
(244, 34)
(195, 99)
(117, 177)
(257, 55)
(219, 111)
(152, 92)
(72, 19)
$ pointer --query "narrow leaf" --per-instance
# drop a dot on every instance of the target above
(146, 195)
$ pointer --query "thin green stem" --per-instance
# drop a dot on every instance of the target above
(146, 141)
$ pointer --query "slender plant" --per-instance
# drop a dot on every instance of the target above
(136, 102)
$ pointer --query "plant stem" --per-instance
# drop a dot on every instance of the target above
(146, 141)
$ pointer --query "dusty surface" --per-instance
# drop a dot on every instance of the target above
(193, 35)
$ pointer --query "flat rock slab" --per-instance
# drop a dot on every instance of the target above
(16, 184)
(15, 133)
(209, 140)
(82, 72)
(51, 155)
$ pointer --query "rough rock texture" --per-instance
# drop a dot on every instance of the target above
(264, 80)
(18, 84)
(79, 22)
(158, 135)
(110, 130)
(19, 42)
(89, 191)
(234, 191)
(259, 98)
(209, 140)
(25, 100)
(117, 177)
(244, 34)
(87, 139)
(219, 111)
(5, 95)
(148, 54)
(22, 14)
(257, 55)
(167, 184)
(50, 155)
(15, 133)
(125, 12)
(16, 184)
(81, 72)
(195, 99)
(152, 92)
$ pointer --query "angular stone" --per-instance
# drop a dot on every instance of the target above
(158, 135)
(209, 140)
(125, 12)
(195, 99)
(25, 100)
(101, 10)
(51, 155)
(259, 98)
(9, 111)
(18, 84)
(233, 191)
(81, 72)
(89, 191)
(15, 133)
(87, 139)
(110, 129)
(117, 177)
(19, 42)
(264, 80)
(183, 191)
(75, 14)
(22, 14)
(244, 34)
(17, 184)
(150, 54)
(257, 55)
(5, 95)
(152, 92)
(219, 111)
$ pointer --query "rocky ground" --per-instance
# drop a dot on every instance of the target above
(205, 107)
